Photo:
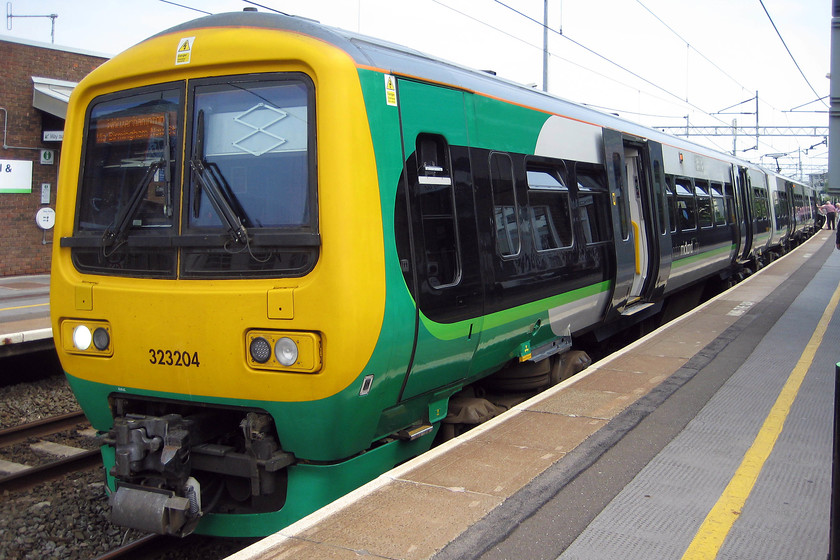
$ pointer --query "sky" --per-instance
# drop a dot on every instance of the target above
(662, 63)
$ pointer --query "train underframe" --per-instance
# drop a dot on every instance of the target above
(174, 461)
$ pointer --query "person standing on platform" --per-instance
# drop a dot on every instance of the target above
(830, 213)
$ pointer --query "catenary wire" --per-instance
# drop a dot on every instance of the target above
(790, 53)
(186, 7)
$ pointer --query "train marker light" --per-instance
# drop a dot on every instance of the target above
(286, 351)
(101, 339)
(82, 337)
(260, 350)
(294, 351)
(89, 337)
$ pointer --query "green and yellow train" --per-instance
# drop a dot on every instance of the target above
(283, 249)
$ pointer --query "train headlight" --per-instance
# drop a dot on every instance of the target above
(82, 337)
(286, 351)
(260, 350)
(293, 351)
(86, 336)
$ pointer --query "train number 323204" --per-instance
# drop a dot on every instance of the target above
(175, 358)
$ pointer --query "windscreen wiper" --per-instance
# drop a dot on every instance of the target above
(205, 178)
(122, 222)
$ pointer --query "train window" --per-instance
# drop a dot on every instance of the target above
(704, 203)
(801, 208)
(780, 203)
(686, 205)
(435, 199)
(505, 209)
(729, 199)
(593, 206)
(619, 173)
(760, 205)
(132, 141)
(128, 186)
(672, 203)
(254, 137)
(718, 204)
(251, 161)
(549, 210)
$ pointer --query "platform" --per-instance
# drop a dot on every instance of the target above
(711, 437)
(24, 314)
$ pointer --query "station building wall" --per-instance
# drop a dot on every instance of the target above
(24, 246)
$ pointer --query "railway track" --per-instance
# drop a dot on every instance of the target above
(24, 477)
(142, 546)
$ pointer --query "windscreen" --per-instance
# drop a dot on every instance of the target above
(209, 178)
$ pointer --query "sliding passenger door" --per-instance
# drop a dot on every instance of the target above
(636, 244)
(661, 245)
(744, 204)
(625, 255)
(438, 195)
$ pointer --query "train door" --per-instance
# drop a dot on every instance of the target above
(447, 287)
(630, 195)
(661, 250)
(745, 215)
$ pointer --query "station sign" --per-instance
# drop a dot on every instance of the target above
(15, 176)
(53, 135)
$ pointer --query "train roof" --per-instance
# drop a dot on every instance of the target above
(404, 61)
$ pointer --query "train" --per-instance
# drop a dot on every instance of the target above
(285, 251)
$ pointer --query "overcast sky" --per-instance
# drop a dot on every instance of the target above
(652, 61)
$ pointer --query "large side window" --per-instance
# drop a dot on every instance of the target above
(760, 206)
(729, 195)
(593, 205)
(505, 209)
(718, 204)
(686, 208)
(549, 209)
(435, 197)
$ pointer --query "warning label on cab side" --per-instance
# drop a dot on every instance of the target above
(390, 90)
(182, 55)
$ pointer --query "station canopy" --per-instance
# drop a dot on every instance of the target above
(51, 96)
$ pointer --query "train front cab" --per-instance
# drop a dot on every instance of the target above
(199, 350)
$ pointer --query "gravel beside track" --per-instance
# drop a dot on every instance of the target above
(26, 402)
(68, 518)
(61, 519)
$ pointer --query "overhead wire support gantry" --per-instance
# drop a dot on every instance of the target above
(778, 131)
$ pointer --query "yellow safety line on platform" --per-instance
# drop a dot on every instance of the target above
(709, 538)
(24, 307)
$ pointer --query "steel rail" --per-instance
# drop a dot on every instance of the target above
(33, 476)
(145, 544)
(38, 428)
